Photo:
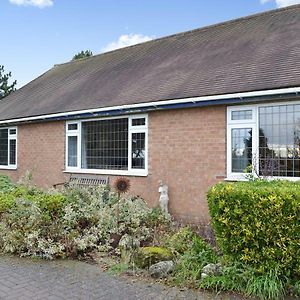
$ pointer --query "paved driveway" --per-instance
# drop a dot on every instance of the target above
(36, 279)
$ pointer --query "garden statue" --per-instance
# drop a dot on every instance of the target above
(164, 197)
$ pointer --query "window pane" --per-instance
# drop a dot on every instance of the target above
(12, 152)
(138, 151)
(138, 122)
(4, 147)
(241, 149)
(72, 151)
(279, 141)
(72, 126)
(12, 131)
(105, 144)
(241, 115)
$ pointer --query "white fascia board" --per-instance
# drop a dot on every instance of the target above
(159, 103)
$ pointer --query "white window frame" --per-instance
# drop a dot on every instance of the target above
(254, 124)
(10, 137)
(131, 130)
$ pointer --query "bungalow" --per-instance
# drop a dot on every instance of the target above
(190, 109)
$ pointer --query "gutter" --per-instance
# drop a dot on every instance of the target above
(228, 99)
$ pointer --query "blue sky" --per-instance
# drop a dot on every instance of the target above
(36, 34)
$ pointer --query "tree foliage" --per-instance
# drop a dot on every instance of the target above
(5, 87)
(83, 54)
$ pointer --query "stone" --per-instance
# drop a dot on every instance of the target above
(161, 269)
(211, 270)
(147, 256)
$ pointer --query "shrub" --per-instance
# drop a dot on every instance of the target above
(68, 224)
(181, 240)
(6, 201)
(190, 264)
(5, 184)
(295, 289)
(258, 223)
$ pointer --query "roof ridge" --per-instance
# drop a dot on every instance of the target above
(268, 12)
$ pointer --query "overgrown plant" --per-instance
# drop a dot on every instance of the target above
(192, 256)
(68, 224)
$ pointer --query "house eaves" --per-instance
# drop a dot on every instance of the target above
(228, 99)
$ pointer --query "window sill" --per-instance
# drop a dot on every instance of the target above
(232, 178)
(8, 168)
(139, 173)
(237, 178)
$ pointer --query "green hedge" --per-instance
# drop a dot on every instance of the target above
(258, 223)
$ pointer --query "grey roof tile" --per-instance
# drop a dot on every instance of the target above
(254, 53)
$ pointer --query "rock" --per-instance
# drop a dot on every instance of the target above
(161, 269)
(147, 256)
(211, 270)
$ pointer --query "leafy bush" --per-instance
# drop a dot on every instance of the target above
(5, 183)
(68, 224)
(6, 201)
(295, 289)
(180, 241)
(190, 264)
(258, 223)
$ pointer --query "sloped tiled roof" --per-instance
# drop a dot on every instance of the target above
(258, 52)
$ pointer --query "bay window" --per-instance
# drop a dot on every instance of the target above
(108, 146)
(265, 137)
(8, 148)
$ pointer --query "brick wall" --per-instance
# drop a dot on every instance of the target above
(186, 151)
(41, 149)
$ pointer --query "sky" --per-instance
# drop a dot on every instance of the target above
(37, 34)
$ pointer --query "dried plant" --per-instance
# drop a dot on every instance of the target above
(122, 185)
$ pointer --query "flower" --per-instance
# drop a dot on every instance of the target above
(122, 185)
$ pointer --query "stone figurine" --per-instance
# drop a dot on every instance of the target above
(164, 197)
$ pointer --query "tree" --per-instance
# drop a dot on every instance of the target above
(83, 54)
(5, 87)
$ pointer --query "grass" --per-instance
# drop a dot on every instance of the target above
(266, 287)
(118, 268)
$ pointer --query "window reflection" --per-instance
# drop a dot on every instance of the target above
(241, 149)
(279, 140)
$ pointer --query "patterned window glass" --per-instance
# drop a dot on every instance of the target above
(3, 147)
(138, 151)
(279, 140)
(12, 151)
(104, 144)
(241, 115)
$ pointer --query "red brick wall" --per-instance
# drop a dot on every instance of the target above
(41, 149)
(186, 151)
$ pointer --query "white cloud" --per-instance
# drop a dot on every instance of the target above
(282, 3)
(127, 40)
(37, 3)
